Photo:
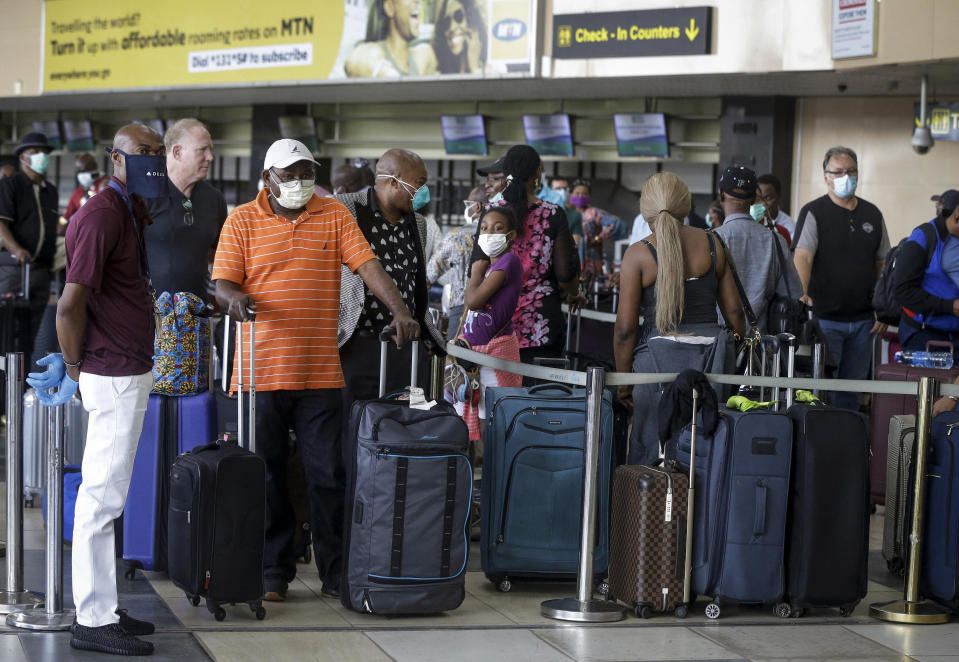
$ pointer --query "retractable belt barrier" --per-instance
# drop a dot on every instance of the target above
(584, 609)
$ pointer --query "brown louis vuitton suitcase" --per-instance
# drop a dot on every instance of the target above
(647, 544)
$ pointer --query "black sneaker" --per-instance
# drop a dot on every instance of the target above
(275, 590)
(111, 639)
(134, 626)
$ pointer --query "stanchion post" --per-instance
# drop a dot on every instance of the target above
(818, 361)
(910, 609)
(53, 616)
(15, 598)
(583, 608)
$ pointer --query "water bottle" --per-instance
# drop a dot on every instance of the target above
(922, 359)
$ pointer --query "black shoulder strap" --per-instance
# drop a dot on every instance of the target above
(747, 309)
(800, 224)
(782, 262)
(712, 251)
(652, 249)
(932, 240)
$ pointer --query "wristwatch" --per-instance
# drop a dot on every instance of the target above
(73, 365)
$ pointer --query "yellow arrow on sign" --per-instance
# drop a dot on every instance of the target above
(692, 30)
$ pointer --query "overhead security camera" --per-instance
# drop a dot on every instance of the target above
(922, 140)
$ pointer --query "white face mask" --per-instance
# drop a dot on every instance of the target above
(493, 244)
(497, 197)
(294, 194)
(86, 179)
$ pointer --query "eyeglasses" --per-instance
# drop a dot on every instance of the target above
(840, 173)
(187, 212)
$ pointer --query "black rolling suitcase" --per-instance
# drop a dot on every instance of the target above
(409, 490)
(217, 518)
(829, 510)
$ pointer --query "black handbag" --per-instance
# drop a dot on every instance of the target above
(786, 314)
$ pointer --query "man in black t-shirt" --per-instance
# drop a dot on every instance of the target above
(840, 247)
(182, 239)
(29, 215)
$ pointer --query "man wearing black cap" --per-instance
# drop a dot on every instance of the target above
(927, 279)
(495, 178)
(840, 248)
(752, 245)
(28, 228)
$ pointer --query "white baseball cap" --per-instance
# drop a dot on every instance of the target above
(286, 151)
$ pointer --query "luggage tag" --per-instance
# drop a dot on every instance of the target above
(669, 505)
(418, 399)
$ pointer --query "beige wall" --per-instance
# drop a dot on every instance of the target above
(912, 31)
(891, 175)
(20, 34)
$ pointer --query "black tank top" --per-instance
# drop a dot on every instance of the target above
(700, 306)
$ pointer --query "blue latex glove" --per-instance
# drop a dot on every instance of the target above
(52, 376)
(55, 377)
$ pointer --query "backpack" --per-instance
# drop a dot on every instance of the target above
(884, 295)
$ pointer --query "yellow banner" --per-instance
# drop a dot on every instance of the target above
(89, 44)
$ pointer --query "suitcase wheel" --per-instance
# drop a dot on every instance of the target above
(643, 611)
(130, 574)
(784, 610)
(504, 585)
(194, 600)
(219, 613)
(846, 611)
(682, 611)
(712, 610)
(895, 566)
(258, 610)
(603, 588)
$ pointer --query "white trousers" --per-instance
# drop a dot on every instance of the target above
(116, 406)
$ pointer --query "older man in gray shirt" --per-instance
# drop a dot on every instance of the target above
(753, 246)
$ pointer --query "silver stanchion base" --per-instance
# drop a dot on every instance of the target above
(39, 619)
(11, 601)
(593, 611)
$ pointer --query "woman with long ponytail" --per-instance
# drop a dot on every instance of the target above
(548, 254)
(674, 280)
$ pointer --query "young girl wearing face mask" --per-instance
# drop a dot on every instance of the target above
(491, 296)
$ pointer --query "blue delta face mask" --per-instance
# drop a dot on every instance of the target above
(146, 174)
(420, 197)
(844, 186)
(757, 211)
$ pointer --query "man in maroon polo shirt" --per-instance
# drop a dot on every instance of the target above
(105, 325)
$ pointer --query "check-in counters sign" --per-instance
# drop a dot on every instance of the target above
(683, 31)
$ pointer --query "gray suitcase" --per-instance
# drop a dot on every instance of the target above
(902, 435)
(35, 440)
(409, 488)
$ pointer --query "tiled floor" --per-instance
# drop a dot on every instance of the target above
(488, 626)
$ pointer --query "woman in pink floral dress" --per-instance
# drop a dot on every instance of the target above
(545, 247)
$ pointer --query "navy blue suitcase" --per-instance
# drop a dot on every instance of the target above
(829, 510)
(532, 488)
(742, 488)
(939, 579)
(171, 426)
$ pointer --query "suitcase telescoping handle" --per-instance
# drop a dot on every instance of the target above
(386, 336)
(789, 340)
(773, 345)
(250, 444)
(690, 503)
(25, 281)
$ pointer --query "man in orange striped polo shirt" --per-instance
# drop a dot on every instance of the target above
(280, 256)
